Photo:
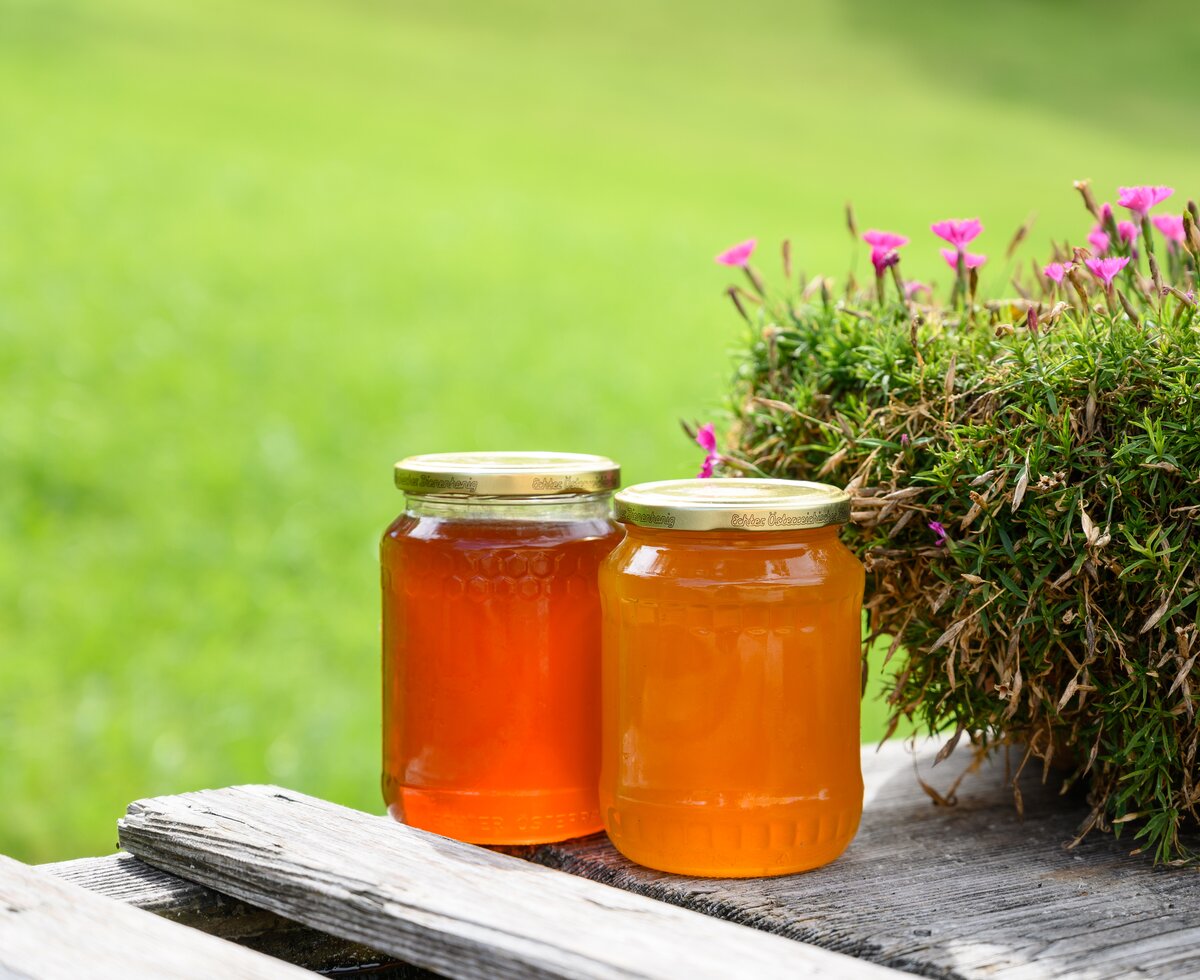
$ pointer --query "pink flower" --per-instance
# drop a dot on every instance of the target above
(939, 532)
(883, 248)
(884, 239)
(958, 232)
(882, 258)
(1056, 270)
(1171, 226)
(1105, 211)
(706, 439)
(1141, 199)
(738, 255)
(904, 439)
(1128, 231)
(1098, 239)
(913, 289)
(1107, 269)
(969, 261)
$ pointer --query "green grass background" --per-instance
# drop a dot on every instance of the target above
(250, 253)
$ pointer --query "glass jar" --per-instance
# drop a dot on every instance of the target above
(731, 678)
(491, 644)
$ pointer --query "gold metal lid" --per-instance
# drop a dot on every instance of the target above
(506, 474)
(733, 505)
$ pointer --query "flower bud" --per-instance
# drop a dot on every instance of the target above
(1085, 191)
(1129, 310)
(733, 296)
(1191, 231)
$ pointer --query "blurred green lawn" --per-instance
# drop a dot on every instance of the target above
(250, 253)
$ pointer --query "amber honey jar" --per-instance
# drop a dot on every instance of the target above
(731, 678)
(491, 644)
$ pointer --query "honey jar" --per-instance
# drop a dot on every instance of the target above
(491, 644)
(731, 677)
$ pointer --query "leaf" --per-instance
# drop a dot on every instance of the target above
(934, 795)
(1014, 697)
(1089, 529)
(1154, 617)
(949, 636)
(945, 750)
(904, 493)
(778, 406)
(1006, 542)
(1012, 586)
(1069, 693)
(1022, 483)
(833, 462)
(974, 512)
(1182, 675)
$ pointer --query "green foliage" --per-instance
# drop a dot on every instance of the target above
(1058, 444)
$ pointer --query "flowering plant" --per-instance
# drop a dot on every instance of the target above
(1024, 473)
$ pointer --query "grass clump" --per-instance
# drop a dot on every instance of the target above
(1025, 477)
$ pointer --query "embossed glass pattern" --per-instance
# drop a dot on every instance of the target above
(491, 665)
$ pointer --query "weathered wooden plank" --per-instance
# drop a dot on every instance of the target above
(123, 877)
(126, 879)
(965, 891)
(460, 910)
(50, 929)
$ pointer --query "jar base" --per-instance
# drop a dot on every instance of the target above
(731, 842)
(498, 817)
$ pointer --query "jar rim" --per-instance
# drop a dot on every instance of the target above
(506, 474)
(732, 504)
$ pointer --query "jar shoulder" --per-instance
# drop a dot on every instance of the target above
(410, 529)
(825, 562)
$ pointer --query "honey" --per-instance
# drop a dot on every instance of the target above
(491, 649)
(731, 678)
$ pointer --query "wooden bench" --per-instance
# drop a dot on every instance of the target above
(237, 881)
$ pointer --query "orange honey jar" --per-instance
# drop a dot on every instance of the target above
(731, 678)
(491, 644)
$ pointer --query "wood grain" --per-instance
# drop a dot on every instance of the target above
(969, 891)
(51, 929)
(126, 879)
(450, 907)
